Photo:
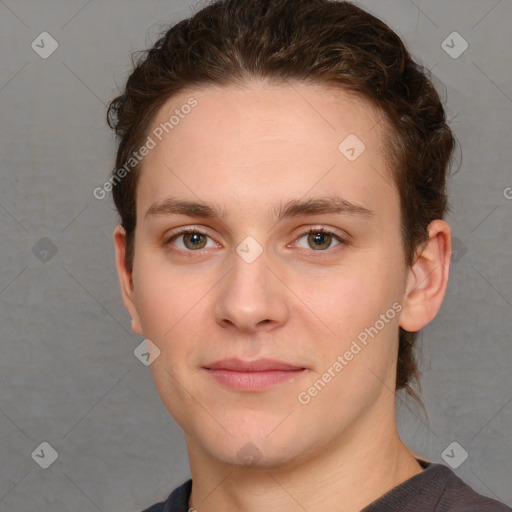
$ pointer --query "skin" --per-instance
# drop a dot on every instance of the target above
(249, 149)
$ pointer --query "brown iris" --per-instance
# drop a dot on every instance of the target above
(318, 238)
(195, 240)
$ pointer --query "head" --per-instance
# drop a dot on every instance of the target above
(249, 106)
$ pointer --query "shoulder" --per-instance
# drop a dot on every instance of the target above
(436, 489)
(176, 502)
(157, 507)
(460, 497)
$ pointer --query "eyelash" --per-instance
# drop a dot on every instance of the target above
(311, 231)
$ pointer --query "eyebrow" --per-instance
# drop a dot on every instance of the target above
(293, 208)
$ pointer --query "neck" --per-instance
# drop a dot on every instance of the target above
(351, 472)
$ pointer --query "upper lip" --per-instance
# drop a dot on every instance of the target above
(258, 365)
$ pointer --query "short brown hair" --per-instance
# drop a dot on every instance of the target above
(324, 42)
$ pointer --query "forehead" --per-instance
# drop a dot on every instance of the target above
(265, 140)
(315, 114)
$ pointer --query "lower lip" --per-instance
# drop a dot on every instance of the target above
(253, 381)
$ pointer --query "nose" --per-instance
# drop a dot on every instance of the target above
(251, 297)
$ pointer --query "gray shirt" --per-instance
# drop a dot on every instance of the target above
(436, 489)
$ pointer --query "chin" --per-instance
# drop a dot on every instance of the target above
(255, 457)
(255, 449)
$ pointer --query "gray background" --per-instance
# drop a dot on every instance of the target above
(68, 374)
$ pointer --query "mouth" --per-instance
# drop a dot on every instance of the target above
(252, 376)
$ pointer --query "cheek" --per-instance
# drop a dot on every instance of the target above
(351, 298)
(174, 309)
(150, 300)
(159, 298)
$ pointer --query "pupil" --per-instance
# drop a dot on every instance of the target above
(194, 239)
(319, 239)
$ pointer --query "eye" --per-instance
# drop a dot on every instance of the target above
(191, 240)
(320, 239)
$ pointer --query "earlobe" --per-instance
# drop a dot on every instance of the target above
(427, 279)
(126, 279)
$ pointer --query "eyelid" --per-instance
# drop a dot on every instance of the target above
(175, 233)
(343, 239)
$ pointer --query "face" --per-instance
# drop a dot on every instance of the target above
(318, 312)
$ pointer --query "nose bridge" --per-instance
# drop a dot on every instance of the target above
(251, 296)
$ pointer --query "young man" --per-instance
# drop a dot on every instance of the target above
(280, 179)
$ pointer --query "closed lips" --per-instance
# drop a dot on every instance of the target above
(260, 365)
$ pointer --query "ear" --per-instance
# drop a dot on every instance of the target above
(125, 279)
(427, 278)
